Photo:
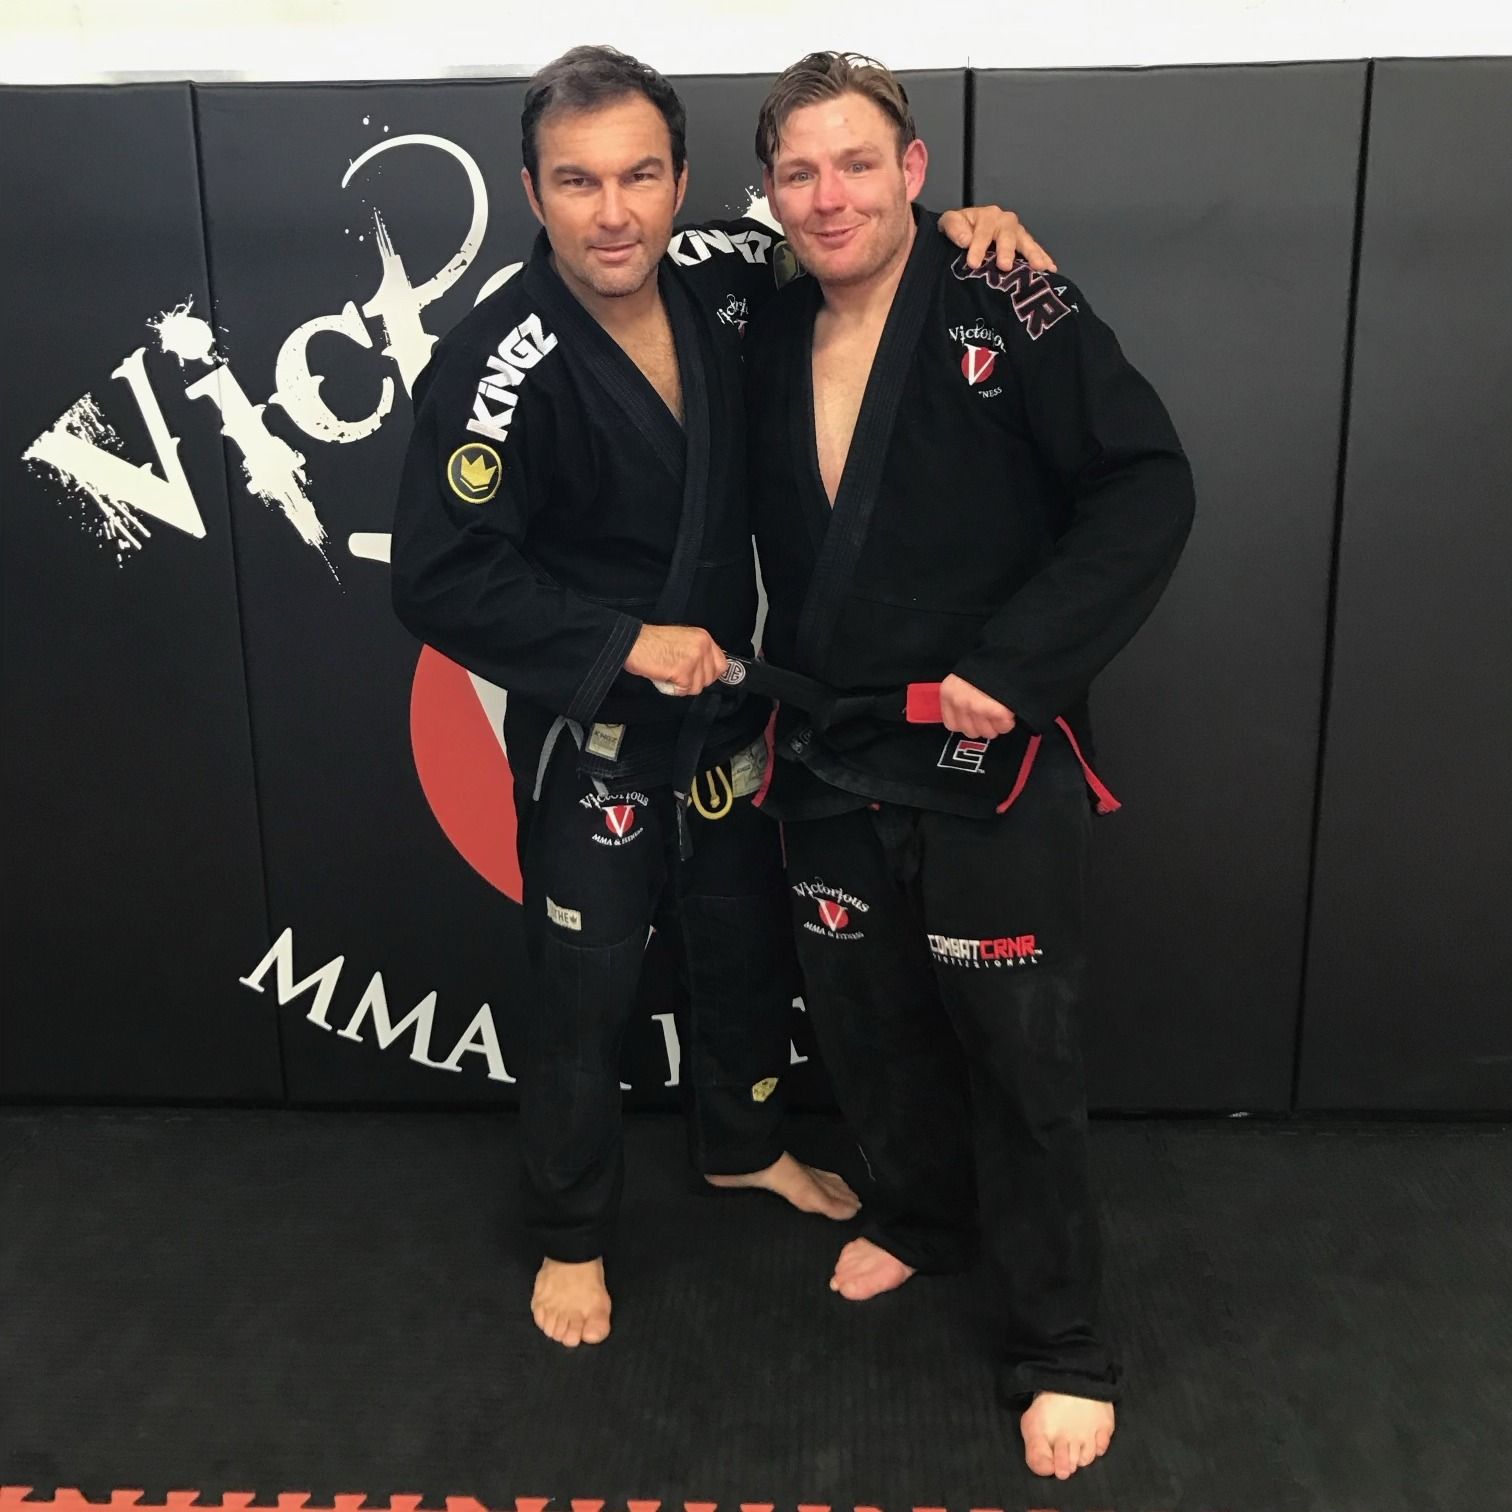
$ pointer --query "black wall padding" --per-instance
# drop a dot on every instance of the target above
(206, 765)
(1409, 988)
(133, 877)
(1208, 215)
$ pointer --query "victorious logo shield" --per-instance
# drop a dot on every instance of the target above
(834, 906)
(977, 363)
(619, 812)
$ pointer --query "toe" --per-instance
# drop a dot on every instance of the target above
(1086, 1452)
(1103, 1438)
(1064, 1464)
(573, 1334)
(1038, 1456)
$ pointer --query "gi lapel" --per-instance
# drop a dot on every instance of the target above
(861, 481)
(604, 359)
(683, 450)
(699, 370)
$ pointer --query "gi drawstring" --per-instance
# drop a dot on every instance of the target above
(1106, 802)
(769, 735)
(560, 723)
(686, 755)
(1025, 767)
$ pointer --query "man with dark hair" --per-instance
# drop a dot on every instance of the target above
(572, 526)
(963, 493)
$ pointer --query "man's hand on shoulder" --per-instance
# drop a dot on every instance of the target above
(682, 656)
(980, 226)
(967, 710)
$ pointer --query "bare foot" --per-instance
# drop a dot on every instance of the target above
(867, 1270)
(570, 1303)
(809, 1190)
(1063, 1434)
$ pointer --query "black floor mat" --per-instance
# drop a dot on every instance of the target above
(1310, 1317)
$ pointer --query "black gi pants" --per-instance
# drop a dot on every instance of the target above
(600, 870)
(944, 960)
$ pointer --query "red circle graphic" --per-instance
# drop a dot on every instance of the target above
(463, 770)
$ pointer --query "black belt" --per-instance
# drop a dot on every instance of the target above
(918, 703)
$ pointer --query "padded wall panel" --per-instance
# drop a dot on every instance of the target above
(1408, 998)
(1208, 216)
(359, 869)
(133, 882)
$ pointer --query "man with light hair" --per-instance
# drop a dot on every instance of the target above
(966, 502)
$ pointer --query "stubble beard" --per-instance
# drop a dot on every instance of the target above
(875, 264)
(620, 283)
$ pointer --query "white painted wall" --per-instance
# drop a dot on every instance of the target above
(59, 41)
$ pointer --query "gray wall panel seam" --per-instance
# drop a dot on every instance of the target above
(236, 583)
(1331, 613)
(968, 150)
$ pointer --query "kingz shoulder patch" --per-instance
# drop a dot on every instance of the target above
(695, 245)
(473, 471)
(498, 389)
(1037, 305)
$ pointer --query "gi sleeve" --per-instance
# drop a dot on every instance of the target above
(1106, 439)
(749, 258)
(460, 578)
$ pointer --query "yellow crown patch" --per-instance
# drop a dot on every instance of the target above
(764, 1089)
(473, 472)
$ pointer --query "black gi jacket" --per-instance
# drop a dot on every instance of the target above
(1013, 503)
(550, 503)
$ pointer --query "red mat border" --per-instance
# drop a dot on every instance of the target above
(67, 1499)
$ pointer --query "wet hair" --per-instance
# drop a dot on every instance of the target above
(588, 78)
(827, 76)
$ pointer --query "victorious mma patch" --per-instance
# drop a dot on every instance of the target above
(982, 345)
(833, 907)
(620, 814)
(473, 471)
